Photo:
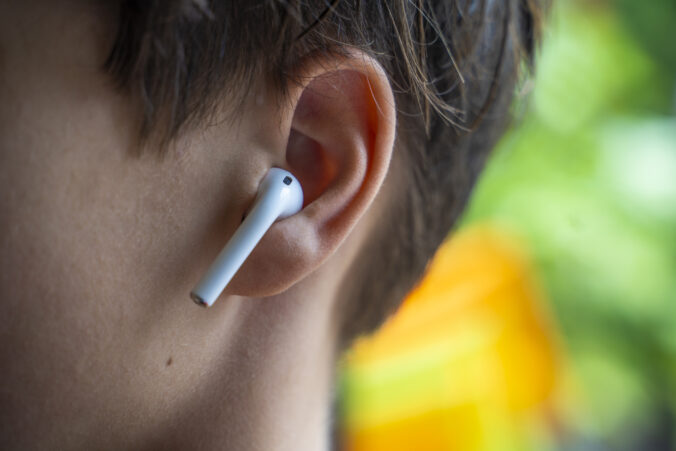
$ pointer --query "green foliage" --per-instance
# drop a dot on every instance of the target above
(589, 180)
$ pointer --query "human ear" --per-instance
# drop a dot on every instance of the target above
(340, 128)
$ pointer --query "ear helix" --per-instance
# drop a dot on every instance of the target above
(279, 196)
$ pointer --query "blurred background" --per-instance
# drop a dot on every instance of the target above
(548, 319)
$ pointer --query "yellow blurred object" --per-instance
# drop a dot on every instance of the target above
(465, 360)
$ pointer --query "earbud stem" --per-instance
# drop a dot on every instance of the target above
(233, 255)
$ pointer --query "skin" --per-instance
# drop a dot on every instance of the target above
(100, 345)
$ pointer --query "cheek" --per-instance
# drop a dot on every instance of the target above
(92, 247)
(95, 272)
(58, 333)
(55, 120)
(62, 270)
(98, 248)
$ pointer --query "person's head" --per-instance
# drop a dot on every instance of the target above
(133, 138)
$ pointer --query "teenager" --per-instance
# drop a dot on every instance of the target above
(133, 138)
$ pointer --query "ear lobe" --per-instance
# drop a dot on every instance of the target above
(340, 141)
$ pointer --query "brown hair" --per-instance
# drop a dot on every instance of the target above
(453, 64)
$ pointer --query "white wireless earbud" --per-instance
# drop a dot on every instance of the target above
(279, 196)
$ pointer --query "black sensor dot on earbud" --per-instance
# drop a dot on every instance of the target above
(287, 180)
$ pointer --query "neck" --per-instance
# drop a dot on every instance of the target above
(269, 386)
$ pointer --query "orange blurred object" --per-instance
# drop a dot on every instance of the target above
(468, 358)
